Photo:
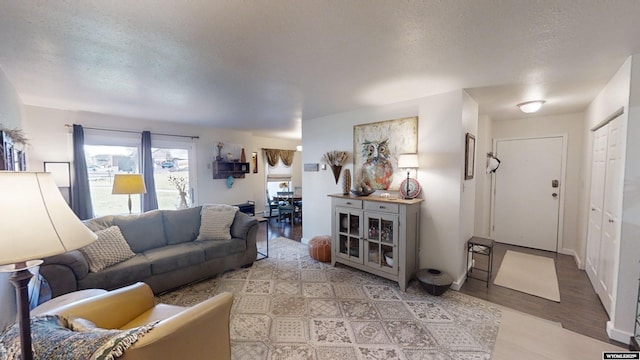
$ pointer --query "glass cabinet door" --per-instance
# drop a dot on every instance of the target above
(381, 240)
(349, 224)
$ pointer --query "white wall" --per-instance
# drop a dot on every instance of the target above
(328, 133)
(468, 196)
(10, 117)
(10, 104)
(441, 151)
(573, 126)
(484, 145)
(622, 91)
(627, 287)
(51, 140)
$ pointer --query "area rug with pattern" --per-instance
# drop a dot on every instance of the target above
(290, 306)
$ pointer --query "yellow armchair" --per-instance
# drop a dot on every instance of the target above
(197, 332)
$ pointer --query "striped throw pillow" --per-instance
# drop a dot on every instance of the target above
(215, 221)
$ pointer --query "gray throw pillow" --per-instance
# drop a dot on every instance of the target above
(181, 225)
(143, 232)
(110, 248)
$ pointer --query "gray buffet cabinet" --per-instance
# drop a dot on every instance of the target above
(377, 235)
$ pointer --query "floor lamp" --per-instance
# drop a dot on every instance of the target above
(408, 161)
(36, 222)
(128, 184)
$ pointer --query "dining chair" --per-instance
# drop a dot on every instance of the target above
(286, 207)
(273, 204)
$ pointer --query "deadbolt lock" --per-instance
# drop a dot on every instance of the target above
(554, 183)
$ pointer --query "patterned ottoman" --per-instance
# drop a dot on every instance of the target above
(320, 248)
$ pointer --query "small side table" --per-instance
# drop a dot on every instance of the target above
(66, 299)
(480, 246)
(264, 255)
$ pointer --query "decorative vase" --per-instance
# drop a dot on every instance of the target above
(243, 157)
(346, 182)
(336, 171)
(182, 201)
(219, 157)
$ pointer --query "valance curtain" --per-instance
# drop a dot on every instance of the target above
(272, 156)
(149, 199)
(287, 157)
(279, 162)
(81, 198)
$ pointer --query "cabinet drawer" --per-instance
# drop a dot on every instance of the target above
(381, 206)
(356, 204)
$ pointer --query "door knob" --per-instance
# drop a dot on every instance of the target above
(554, 194)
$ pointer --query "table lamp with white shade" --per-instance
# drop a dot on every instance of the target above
(408, 161)
(36, 222)
(128, 184)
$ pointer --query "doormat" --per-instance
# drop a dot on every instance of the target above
(531, 274)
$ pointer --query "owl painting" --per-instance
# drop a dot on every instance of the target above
(376, 147)
(377, 170)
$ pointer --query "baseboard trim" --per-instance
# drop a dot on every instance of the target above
(573, 253)
(457, 285)
(617, 335)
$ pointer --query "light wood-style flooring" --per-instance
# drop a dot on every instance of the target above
(579, 309)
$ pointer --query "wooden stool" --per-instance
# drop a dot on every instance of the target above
(320, 248)
(480, 246)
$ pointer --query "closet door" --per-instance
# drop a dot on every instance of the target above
(596, 203)
(603, 237)
(610, 239)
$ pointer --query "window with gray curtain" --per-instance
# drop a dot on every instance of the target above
(149, 199)
(81, 199)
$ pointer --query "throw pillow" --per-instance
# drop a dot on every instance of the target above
(143, 231)
(110, 248)
(215, 221)
(181, 225)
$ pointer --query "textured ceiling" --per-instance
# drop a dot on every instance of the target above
(265, 66)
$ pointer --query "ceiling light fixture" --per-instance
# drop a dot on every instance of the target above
(531, 106)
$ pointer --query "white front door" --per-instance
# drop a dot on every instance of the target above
(527, 192)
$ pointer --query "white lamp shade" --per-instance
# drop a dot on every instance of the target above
(35, 219)
(128, 184)
(408, 161)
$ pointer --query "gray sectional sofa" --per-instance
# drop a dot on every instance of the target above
(167, 254)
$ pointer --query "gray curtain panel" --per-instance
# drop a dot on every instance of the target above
(81, 199)
(149, 199)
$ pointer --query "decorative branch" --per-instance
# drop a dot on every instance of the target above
(179, 182)
(335, 157)
(17, 135)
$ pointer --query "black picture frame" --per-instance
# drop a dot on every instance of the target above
(61, 171)
(469, 156)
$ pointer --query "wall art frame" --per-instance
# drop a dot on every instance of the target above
(469, 156)
(376, 147)
(254, 162)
